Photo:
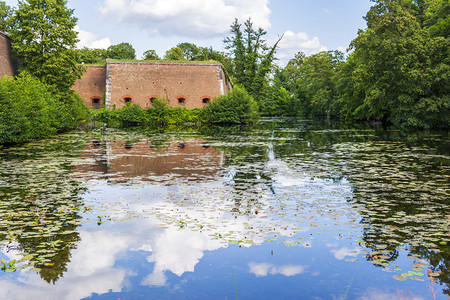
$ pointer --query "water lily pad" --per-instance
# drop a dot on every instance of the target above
(398, 277)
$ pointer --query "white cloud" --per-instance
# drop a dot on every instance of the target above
(89, 40)
(327, 11)
(293, 43)
(193, 18)
(263, 269)
(378, 294)
(345, 252)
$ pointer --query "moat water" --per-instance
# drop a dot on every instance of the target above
(285, 209)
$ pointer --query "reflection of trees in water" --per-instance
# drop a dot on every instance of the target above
(400, 191)
(40, 206)
(400, 180)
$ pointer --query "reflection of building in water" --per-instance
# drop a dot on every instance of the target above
(189, 159)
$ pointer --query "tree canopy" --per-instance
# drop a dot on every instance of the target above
(401, 71)
(93, 56)
(44, 41)
(174, 53)
(5, 15)
(150, 55)
(121, 51)
(397, 72)
(252, 58)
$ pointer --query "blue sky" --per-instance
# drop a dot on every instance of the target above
(308, 25)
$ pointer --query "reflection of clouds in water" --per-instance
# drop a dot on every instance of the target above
(379, 294)
(210, 217)
(90, 271)
(96, 251)
(263, 269)
(11, 250)
(344, 252)
(179, 251)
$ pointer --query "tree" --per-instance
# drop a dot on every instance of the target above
(236, 107)
(150, 55)
(174, 53)
(121, 51)
(401, 71)
(93, 56)
(5, 15)
(190, 51)
(437, 18)
(44, 41)
(252, 57)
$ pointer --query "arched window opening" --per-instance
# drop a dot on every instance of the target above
(127, 99)
(181, 101)
(206, 100)
(152, 99)
(95, 101)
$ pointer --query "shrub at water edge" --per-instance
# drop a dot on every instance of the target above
(29, 110)
(237, 107)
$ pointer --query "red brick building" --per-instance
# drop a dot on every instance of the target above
(190, 85)
(7, 63)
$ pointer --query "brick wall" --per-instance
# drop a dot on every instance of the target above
(7, 65)
(91, 86)
(189, 159)
(140, 81)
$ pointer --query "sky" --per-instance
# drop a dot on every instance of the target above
(309, 26)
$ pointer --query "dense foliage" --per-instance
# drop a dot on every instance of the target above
(150, 55)
(159, 113)
(43, 38)
(121, 51)
(398, 72)
(5, 15)
(29, 110)
(93, 56)
(401, 71)
(40, 101)
(252, 58)
(237, 107)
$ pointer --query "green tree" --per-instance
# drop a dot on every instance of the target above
(288, 76)
(190, 51)
(121, 51)
(437, 18)
(237, 107)
(93, 56)
(150, 55)
(27, 110)
(5, 15)
(174, 53)
(252, 58)
(44, 41)
(401, 71)
(311, 83)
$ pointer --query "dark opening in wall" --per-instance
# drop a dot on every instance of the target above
(206, 100)
(152, 99)
(182, 101)
(95, 101)
(127, 99)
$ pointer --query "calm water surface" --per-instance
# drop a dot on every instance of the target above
(286, 209)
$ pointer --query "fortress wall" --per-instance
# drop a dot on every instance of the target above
(141, 81)
(7, 65)
(92, 86)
